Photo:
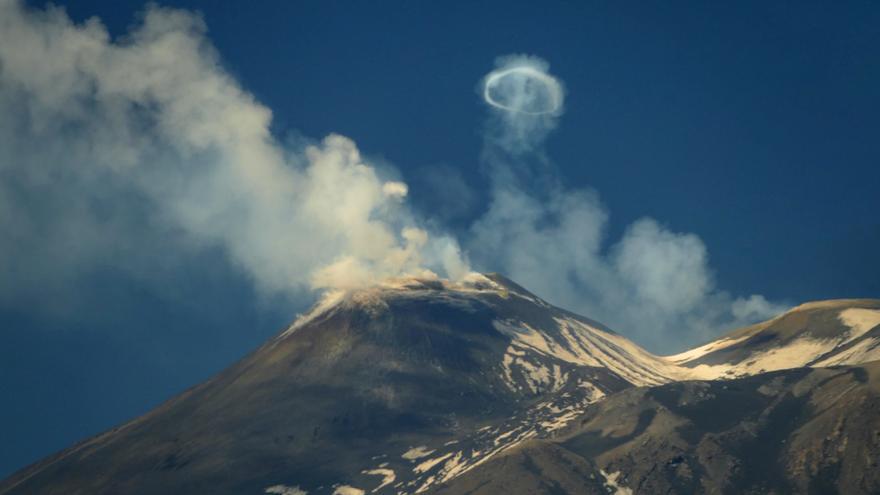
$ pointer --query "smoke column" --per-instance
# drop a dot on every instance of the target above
(114, 151)
(653, 284)
(138, 153)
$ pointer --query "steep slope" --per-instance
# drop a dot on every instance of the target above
(825, 333)
(533, 467)
(479, 386)
(395, 388)
(795, 431)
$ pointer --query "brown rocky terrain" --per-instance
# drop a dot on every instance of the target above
(421, 386)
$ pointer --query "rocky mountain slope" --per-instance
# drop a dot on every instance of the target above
(826, 333)
(794, 431)
(419, 385)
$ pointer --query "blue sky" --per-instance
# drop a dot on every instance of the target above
(750, 127)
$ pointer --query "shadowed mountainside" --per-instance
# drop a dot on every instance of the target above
(795, 431)
(482, 387)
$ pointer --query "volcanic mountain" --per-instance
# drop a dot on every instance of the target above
(825, 333)
(479, 386)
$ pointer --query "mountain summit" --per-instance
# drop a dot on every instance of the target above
(422, 385)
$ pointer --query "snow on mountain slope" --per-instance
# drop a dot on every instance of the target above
(566, 361)
(796, 431)
(542, 337)
(392, 389)
(404, 387)
(825, 333)
(577, 342)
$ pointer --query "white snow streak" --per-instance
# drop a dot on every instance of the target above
(698, 352)
(611, 482)
(387, 475)
(859, 320)
(417, 453)
(286, 490)
(427, 465)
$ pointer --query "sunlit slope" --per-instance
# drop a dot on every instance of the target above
(826, 333)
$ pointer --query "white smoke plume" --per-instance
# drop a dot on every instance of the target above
(525, 103)
(653, 284)
(126, 152)
(131, 153)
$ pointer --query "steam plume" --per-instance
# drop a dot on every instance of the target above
(134, 152)
(653, 284)
(108, 147)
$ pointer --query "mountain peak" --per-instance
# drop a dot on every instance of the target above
(472, 282)
(836, 304)
(405, 386)
(422, 286)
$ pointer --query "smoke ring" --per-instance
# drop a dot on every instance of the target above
(553, 89)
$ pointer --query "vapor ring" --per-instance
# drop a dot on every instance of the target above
(552, 85)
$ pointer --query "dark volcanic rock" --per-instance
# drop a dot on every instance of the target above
(797, 431)
(350, 388)
(481, 387)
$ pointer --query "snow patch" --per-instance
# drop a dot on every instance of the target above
(859, 320)
(862, 352)
(417, 453)
(578, 343)
(347, 490)
(802, 351)
(387, 475)
(709, 348)
(593, 392)
(612, 484)
(795, 354)
(561, 420)
(285, 490)
(618, 354)
(430, 463)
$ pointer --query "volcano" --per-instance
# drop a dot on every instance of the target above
(479, 386)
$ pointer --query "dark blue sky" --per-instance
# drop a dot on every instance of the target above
(752, 124)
